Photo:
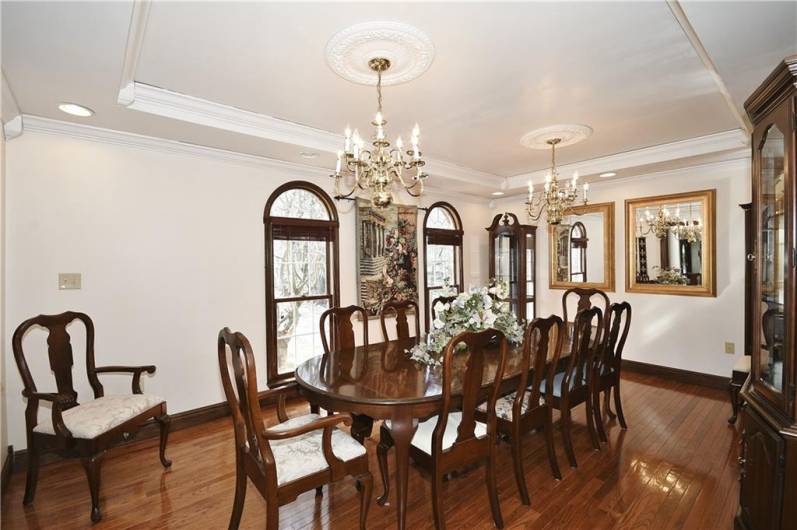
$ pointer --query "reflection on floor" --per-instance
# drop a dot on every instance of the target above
(674, 468)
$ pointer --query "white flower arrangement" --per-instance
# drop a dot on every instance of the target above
(478, 309)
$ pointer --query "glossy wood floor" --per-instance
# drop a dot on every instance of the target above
(674, 468)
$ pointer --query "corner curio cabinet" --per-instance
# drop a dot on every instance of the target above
(768, 459)
(512, 260)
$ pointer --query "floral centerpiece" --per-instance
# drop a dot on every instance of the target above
(670, 276)
(479, 309)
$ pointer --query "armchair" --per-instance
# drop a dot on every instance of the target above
(82, 430)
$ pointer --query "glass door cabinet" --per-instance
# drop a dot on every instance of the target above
(768, 448)
(512, 260)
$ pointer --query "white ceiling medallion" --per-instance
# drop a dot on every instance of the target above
(409, 50)
(568, 134)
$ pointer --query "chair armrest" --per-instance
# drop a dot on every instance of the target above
(327, 423)
(135, 370)
(320, 423)
(58, 401)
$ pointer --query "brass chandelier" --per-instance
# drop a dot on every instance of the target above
(376, 170)
(556, 198)
(664, 221)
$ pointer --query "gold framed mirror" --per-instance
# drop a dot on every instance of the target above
(670, 244)
(581, 248)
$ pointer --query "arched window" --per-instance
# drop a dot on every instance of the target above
(442, 252)
(302, 277)
(578, 253)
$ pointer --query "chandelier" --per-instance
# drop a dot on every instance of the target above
(555, 198)
(376, 170)
(691, 230)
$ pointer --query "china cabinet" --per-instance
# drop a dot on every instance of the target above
(768, 460)
(512, 259)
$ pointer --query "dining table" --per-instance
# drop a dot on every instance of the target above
(381, 382)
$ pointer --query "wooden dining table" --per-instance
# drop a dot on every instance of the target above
(380, 381)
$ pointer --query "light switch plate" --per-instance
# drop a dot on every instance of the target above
(69, 280)
(730, 348)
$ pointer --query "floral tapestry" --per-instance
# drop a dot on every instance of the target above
(387, 255)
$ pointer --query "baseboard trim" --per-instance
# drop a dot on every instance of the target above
(677, 374)
(8, 467)
(150, 429)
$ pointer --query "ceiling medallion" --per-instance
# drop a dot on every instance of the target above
(409, 50)
(568, 134)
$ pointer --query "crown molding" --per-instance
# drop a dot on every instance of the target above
(38, 124)
(135, 43)
(694, 39)
(168, 104)
(13, 127)
(702, 145)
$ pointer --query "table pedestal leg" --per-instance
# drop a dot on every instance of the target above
(402, 429)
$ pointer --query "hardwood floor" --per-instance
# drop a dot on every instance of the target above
(674, 468)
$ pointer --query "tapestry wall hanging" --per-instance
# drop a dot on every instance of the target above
(387, 255)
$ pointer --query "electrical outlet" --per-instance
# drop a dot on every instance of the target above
(69, 280)
(730, 348)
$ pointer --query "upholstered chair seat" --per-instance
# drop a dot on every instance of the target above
(423, 436)
(98, 416)
(504, 405)
(557, 384)
(303, 455)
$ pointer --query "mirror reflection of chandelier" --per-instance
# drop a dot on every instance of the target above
(556, 198)
(376, 170)
(664, 221)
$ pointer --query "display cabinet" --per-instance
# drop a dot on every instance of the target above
(512, 259)
(768, 460)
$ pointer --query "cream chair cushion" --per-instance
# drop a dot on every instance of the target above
(423, 436)
(304, 455)
(93, 418)
(503, 407)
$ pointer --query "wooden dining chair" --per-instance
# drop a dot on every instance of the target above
(455, 439)
(574, 385)
(83, 430)
(337, 321)
(609, 362)
(400, 310)
(289, 458)
(526, 408)
(586, 298)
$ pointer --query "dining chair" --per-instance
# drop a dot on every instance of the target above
(574, 385)
(82, 430)
(295, 455)
(526, 408)
(400, 310)
(455, 439)
(338, 322)
(609, 362)
(587, 297)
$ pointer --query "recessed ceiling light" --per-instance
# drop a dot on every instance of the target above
(607, 174)
(308, 155)
(76, 110)
(498, 193)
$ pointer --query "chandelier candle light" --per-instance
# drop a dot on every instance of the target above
(376, 170)
(556, 198)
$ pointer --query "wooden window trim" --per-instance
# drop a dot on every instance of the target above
(442, 236)
(276, 227)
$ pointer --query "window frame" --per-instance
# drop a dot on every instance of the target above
(580, 244)
(442, 236)
(325, 230)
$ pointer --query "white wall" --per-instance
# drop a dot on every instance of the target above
(686, 332)
(170, 248)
